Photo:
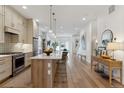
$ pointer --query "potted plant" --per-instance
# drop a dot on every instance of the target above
(55, 44)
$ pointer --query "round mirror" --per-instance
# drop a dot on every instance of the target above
(107, 36)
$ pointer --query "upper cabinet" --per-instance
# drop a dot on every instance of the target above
(8, 17)
(12, 21)
(23, 31)
(35, 28)
(1, 24)
(1, 9)
(32, 30)
(16, 21)
(11, 18)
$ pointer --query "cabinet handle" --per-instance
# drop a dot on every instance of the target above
(2, 72)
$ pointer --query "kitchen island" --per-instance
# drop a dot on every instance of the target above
(43, 70)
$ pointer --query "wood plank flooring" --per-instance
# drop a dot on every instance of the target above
(22, 80)
(77, 74)
(60, 80)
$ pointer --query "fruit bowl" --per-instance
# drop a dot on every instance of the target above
(48, 51)
(105, 56)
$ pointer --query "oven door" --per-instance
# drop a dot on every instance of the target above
(18, 63)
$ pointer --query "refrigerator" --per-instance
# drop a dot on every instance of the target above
(35, 46)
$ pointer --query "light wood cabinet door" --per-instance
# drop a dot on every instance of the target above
(15, 20)
(27, 59)
(11, 18)
(1, 29)
(35, 29)
(5, 67)
(1, 9)
(23, 30)
(29, 31)
(8, 17)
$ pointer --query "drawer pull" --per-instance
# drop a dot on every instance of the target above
(2, 72)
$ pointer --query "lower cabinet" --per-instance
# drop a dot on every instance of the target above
(27, 58)
(5, 67)
(1, 29)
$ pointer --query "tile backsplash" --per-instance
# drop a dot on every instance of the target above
(1, 47)
(5, 47)
(15, 47)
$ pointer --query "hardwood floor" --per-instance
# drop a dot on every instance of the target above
(79, 75)
(75, 74)
(60, 80)
(22, 80)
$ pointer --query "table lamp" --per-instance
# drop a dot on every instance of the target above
(115, 46)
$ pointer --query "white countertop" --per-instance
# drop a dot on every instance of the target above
(4, 56)
(52, 56)
(27, 52)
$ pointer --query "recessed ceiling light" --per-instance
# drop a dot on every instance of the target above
(24, 7)
(50, 31)
(37, 20)
(83, 18)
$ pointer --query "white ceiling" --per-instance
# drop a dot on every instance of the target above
(68, 17)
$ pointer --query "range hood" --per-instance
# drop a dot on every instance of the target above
(11, 30)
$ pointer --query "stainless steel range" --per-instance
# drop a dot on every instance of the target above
(18, 62)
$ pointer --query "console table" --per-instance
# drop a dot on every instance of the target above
(112, 64)
(82, 56)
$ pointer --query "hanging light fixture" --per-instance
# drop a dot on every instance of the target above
(55, 27)
(50, 30)
(52, 22)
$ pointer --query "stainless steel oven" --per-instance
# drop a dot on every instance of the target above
(18, 63)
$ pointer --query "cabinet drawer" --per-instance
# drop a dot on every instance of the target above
(5, 73)
(5, 57)
(5, 67)
(5, 60)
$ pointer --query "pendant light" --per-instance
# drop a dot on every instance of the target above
(55, 27)
(50, 30)
(54, 19)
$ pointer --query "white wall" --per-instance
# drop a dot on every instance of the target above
(81, 49)
(115, 22)
(87, 30)
(74, 38)
(88, 40)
